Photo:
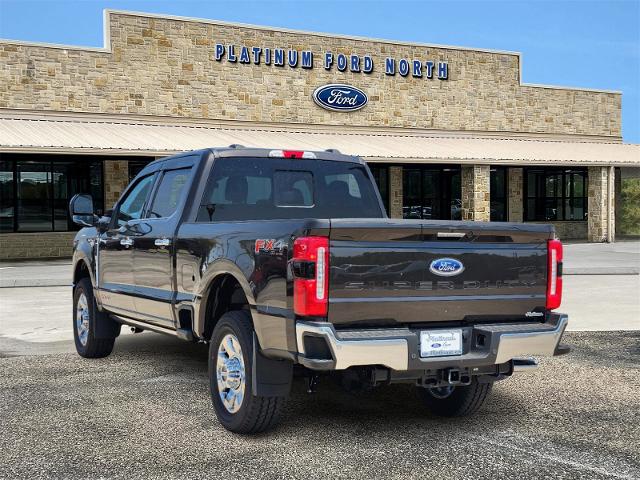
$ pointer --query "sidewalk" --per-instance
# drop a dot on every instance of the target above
(622, 258)
(36, 273)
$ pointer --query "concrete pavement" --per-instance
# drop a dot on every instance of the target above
(621, 258)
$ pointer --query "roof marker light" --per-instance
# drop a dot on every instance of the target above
(291, 154)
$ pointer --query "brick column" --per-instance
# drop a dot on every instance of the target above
(600, 204)
(116, 179)
(515, 189)
(475, 193)
(395, 192)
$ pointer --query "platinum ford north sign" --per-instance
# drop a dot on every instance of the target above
(340, 98)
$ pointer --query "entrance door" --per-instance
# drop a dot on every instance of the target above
(431, 193)
(115, 252)
(153, 265)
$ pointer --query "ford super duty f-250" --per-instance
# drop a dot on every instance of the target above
(284, 258)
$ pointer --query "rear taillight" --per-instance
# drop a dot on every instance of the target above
(310, 276)
(554, 274)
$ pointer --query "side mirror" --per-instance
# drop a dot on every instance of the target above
(81, 210)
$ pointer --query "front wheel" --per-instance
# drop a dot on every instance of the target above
(85, 323)
(456, 401)
(230, 378)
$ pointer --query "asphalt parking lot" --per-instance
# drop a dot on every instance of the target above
(144, 412)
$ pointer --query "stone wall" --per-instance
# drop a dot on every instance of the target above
(571, 230)
(15, 246)
(395, 192)
(475, 192)
(515, 188)
(167, 67)
(116, 179)
(598, 219)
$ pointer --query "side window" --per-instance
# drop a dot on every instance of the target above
(131, 206)
(170, 192)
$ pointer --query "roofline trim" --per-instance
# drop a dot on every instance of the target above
(203, 123)
(106, 48)
(368, 159)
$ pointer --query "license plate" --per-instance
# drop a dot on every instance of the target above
(440, 343)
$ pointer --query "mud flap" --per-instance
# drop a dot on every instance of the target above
(270, 378)
(105, 326)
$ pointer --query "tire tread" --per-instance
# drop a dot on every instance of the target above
(263, 412)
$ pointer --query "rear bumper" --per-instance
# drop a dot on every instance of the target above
(399, 348)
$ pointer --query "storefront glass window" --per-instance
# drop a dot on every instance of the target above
(431, 193)
(34, 197)
(555, 194)
(498, 189)
(35, 190)
(7, 197)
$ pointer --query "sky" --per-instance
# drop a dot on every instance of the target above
(577, 43)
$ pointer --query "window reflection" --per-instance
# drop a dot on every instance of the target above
(431, 193)
(498, 194)
(35, 190)
(555, 194)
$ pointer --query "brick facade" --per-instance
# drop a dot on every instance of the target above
(395, 192)
(18, 246)
(116, 179)
(167, 67)
(475, 193)
(600, 217)
(515, 194)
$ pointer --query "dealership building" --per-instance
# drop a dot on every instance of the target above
(448, 132)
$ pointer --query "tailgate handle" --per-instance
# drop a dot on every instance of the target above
(451, 234)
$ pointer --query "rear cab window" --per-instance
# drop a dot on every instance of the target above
(267, 188)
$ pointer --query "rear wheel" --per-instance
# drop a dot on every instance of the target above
(230, 378)
(85, 323)
(455, 401)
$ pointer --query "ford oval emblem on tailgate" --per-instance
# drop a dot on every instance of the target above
(340, 98)
(446, 267)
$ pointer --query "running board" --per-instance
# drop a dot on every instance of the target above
(144, 326)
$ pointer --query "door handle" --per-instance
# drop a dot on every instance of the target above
(126, 241)
(162, 242)
(451, 234)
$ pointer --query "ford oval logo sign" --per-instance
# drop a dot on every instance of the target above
(446, 267)
(340, 98)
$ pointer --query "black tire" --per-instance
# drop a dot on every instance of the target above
(462, 401)
(92, 347)
(256, 413)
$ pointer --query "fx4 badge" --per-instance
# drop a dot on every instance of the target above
(446, 267)
(269, 245)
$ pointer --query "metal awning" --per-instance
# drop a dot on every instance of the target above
(91, 135)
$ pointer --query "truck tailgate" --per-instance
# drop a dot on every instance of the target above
(380, 271)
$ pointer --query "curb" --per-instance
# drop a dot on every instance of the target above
(34, 283)
(601, 271)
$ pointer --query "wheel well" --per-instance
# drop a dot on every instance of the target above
(225, 294)
(80, 272)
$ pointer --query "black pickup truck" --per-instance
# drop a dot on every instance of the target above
(281, 258)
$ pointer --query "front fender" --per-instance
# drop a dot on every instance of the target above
(83, 251)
